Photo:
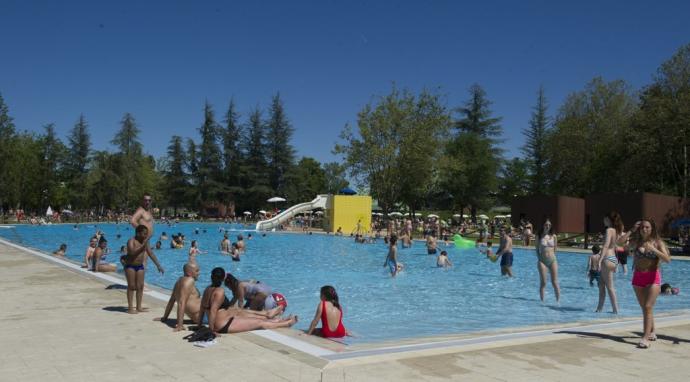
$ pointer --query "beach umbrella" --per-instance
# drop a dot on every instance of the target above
(49, 211)
(432, 216)
(499, 217)
(276, 199)
(67, 212)
(319, 212)
(347, 191)
(395, 213)
(482, 216)
(457, 216)
(247, 213)
(262, 212)
(508, 215)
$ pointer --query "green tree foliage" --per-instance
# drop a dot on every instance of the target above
(473, 157)
(210, 160)
(176, 186)
(7, 150)
(393, 150)
(77, 163)
(588, 142)
(54, 155)
(129, 160)
(233, 158)
(192, 164)
(534, 148)
(305, 180)
(280, 154)
(334, 174)
(661, 134)
(514, 180)
(256, 168)
(103, 181)
(476, 116)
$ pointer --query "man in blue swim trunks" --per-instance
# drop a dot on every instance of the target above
(505, 252)
(137, 252)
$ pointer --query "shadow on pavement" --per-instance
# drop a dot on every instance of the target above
(621, 339)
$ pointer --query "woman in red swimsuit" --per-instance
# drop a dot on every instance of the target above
(331, 316)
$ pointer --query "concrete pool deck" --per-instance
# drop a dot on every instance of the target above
(62, 324)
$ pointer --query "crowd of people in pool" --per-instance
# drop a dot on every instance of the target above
(254, 305)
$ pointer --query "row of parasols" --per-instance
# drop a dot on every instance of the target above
(433, 216)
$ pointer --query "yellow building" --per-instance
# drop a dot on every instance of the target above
(345, 211)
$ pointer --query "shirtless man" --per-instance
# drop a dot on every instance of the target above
(442, 261)
(505, 252)
(89, 252)
(431, 245)
(142, 216)
(240, 243)
(137, 252)
(186, 296)
(225, 244)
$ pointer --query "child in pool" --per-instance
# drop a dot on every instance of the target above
(593, 265)
(667, 289)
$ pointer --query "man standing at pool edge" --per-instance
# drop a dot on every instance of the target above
(142, 216)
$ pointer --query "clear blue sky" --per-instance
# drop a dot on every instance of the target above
(161, 60)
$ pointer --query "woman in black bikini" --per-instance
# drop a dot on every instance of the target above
(233, 320)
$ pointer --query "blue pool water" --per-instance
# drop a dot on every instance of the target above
(422, 301)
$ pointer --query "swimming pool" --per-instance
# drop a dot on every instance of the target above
(422, 301)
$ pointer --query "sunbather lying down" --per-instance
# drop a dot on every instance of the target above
(233, 320)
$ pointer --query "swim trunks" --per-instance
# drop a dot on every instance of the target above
(594, 275)
(431, 251)
(136, 268)
(391, 265)
(622, 256)
(507, 259)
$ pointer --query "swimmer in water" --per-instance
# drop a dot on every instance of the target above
(442, 261)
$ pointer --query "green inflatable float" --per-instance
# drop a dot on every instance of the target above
(461, 242)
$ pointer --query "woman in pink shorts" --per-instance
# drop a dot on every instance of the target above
(649, 249)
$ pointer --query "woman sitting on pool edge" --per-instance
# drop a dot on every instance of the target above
(233, 320)
(331, 315)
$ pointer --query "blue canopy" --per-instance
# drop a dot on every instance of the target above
(680, 222)
(347, 191)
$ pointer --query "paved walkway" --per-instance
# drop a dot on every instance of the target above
(62, 325)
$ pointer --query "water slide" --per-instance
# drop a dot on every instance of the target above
(276, 221)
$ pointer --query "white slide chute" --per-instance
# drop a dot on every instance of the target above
(274, 222)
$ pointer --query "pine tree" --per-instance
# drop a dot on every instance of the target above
(7, 137)
(175, 178)
(256, 181)
(192, 164)
(534, 148)
(477, 116)
(210, 160)
(232, 155)
(129, 159)
(280, 153)
(53, 156)
(78, 160)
